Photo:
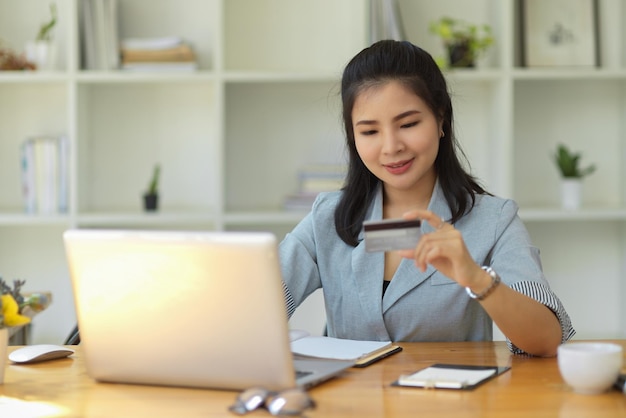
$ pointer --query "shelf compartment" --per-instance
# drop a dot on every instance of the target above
(124, 129)
(581, 115)
(20, 22)
(283, 35)
(417, 15)
(164, 18)
(26, 110)
(272, 130)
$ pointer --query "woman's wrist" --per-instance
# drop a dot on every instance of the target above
(484, 291)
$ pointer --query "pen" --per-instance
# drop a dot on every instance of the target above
(620, 383)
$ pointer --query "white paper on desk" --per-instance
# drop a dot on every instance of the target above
(446, 377)
(335, 348)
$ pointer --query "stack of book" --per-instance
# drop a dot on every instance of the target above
(44, 164)
(157, 54)
(101, 48)
(312, 180)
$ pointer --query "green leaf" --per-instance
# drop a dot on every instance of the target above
(568, 163)
(45, 31)
(153, 187)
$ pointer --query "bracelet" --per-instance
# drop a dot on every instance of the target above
(495, 281)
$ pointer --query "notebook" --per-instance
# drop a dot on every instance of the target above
(450, 376)
(193, 309)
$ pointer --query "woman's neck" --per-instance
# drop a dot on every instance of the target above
(396, 202)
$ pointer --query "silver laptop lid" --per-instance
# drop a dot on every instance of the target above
(199, 309)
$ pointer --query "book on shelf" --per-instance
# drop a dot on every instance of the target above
(299, 202)
(312, 180)
(112, 34)
(180, 53)
(100, 47)
(320, 178)
(89, 41)
(63, 151)
(44, 166)
(157, 54)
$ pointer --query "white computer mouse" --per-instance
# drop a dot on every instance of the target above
(39, 352)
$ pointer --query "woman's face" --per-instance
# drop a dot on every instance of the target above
(397, 136)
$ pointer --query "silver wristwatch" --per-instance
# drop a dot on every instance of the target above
(495, 281)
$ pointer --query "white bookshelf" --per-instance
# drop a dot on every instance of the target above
(265, 101)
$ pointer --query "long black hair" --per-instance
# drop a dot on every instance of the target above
(410, 65)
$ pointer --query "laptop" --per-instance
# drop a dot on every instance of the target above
(192, 309)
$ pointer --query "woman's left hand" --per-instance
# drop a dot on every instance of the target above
(444, 249)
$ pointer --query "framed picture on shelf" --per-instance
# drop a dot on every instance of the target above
(559, 33)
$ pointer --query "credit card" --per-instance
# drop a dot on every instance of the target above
(391, 234)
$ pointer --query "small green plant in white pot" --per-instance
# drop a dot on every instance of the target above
(568, 163)
(42, 51)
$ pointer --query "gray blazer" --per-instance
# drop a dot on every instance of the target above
(417, 306)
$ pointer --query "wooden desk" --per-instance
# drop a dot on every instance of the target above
(532, 388)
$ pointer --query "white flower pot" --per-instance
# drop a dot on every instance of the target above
(571, 191)
(42, 54)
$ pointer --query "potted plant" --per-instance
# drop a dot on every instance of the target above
(12, 61)
(568, 163)
(16, 311)
(464, 41)
(41, 51)
(151, 196)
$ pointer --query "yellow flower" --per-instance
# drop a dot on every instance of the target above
(10, 312)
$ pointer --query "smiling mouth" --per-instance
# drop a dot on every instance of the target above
(399, 167)
(397, 164)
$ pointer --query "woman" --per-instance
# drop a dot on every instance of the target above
(474, 264)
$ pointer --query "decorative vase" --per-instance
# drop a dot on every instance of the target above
(151, 202)
(4, 345)
(42, 54)
(571, 193)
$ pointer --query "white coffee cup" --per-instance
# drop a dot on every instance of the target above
(590, 367)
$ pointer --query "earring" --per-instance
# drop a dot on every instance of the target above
(441, 134)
